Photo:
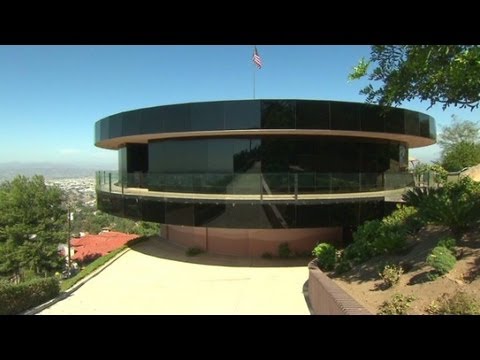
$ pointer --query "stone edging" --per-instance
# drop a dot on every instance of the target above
(327, 298)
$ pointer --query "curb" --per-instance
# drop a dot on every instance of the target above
(75, 287)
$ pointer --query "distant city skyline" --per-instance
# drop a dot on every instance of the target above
(51, 96)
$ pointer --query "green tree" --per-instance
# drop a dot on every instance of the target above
(446, 74)
(461, 155)
(32, 224)
(460, 143)
(459, 131)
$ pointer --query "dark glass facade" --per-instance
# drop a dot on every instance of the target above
(255, 215)
(214, 165)
(260, 147)
(265, 114)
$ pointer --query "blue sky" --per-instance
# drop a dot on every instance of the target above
(51, 96)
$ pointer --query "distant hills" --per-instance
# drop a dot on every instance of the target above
(49, 170)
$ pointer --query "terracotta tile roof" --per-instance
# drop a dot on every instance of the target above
(102, 243)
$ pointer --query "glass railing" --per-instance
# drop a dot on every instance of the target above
(252, 183)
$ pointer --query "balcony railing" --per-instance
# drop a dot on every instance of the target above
(252, 183)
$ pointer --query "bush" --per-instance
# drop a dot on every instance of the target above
(441, 259)
(404, 218)
(193, 251)
(16, 298)
(343, 266)
(416, 196)
(326, 256)
(456, 205)
(397, 305)
(459, 303)
(447, 242)
(284, 250)
(391, 274)
(267, 255)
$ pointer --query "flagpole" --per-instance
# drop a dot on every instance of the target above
(254, 65)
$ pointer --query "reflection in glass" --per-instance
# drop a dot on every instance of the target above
(278, 114)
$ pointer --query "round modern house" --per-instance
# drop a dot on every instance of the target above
(242, 177)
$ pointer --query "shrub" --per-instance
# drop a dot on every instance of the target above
(447, 242)
(326, 256)
(416, 196)
(343, 266)
(16, 298)
(193, 251)
(441, 259)
(267, 255)
(284, 250)
(440, 175)
(404, 218)
(459, 303)
(397, 305)
(456, 205)
(391, 274)
(87, 259)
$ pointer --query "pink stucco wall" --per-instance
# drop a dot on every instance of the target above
(251, 242)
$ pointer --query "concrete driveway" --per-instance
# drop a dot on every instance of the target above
(157, 278)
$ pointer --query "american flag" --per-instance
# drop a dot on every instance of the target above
(256, 58)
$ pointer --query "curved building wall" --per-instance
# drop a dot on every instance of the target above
(258, 170)
(116, 130)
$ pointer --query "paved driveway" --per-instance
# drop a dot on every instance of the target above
(155, 278)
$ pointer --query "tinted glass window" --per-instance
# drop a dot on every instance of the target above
(152, 120)
(412, 124)
(131, 122)
(424, 125)
(313, 115)
(394, 121)
(179, 213)
(115, 127)
(210, 116)
(344, 116)
(153, 210)
(371, 118)
(220, 155)
(176, 118)
(278, 114)
(242, 114)
(206, 214)
(433, 130)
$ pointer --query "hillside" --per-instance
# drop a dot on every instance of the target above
(365, 285)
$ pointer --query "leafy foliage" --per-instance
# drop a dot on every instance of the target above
(194, 251)
(456, 205)
(446, 74)
(397, 305)
(93, 221)
(420, 170)
(32, 224)
(441, 259)
(386, 236)
(459, 303)
(440, 175)
(460, 143)
(391, 274)
(461, 155)
(447, 242)
(326, 256)
(284, 250)
(415, 196)
(16, 298)
(459, 131)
